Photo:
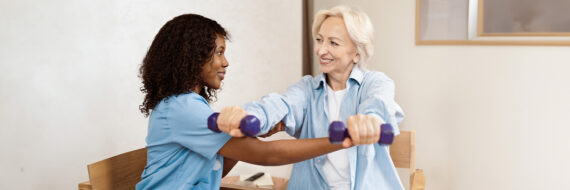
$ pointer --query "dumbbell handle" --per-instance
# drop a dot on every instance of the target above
(337, 133)
(249, 125)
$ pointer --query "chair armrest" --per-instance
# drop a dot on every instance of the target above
(86, 185)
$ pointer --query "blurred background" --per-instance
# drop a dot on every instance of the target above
(487, 117)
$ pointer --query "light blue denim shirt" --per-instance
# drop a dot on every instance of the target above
(303, 109)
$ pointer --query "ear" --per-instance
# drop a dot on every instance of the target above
(356, 58)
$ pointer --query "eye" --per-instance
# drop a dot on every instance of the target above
(334, 43)
(319, 40)
(220, 52)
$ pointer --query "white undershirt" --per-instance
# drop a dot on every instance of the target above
(336, 167)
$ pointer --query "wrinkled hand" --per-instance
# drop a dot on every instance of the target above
(363, 129)
(278, 127)
(229, 120)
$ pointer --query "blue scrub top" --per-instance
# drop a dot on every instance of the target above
(181, 148)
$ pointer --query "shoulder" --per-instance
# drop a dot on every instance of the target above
(376, 76)
(374, 82)
(310, 81)
(306, 82)
(191, 98)
(189, 106)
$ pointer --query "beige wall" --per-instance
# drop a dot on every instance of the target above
(487, 117)
(69, 91)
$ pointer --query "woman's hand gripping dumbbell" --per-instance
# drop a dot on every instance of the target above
(369, 129)
(248, 125)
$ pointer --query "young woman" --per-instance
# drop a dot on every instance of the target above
(181, 72)
(345, 91)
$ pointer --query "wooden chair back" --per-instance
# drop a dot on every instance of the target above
(403, 153)
(118, 172)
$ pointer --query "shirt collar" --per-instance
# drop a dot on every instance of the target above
(356, 74)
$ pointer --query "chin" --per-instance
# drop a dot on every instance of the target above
(218, 86)
(325, 69)
(215, 86)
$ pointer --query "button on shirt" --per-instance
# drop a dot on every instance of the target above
(302, 108)
(182, 151)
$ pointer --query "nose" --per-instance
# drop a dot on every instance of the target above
(225, 63)
(321, 49)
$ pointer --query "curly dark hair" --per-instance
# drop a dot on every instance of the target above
(174, 61)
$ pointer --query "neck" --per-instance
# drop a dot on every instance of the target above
(337, 80)
(197, 89)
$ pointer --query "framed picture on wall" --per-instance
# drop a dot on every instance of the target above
(492, 22)
(524, 18)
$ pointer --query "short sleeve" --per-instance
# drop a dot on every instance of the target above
(189, 128)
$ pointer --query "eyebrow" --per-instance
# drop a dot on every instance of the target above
(332, 37)
(336, 39)
(222, 47)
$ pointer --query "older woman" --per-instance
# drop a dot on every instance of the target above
(345, 91)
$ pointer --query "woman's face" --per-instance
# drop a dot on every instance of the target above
(214, 71)
(334, 48)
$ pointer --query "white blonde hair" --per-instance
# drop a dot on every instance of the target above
(357, 24)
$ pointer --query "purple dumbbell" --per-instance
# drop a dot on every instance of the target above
(337, 133)
(249, 125)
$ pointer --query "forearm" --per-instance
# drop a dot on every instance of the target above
(270, 110)
(291, 151)
(279, 152)
(288, 107)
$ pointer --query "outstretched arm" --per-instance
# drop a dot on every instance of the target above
(289, 107)
(378, 100)
(279, 152)
(230, 163)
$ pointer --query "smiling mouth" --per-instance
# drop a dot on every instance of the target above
(325, 61)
